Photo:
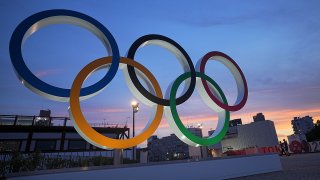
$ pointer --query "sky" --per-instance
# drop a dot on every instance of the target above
(276, 44)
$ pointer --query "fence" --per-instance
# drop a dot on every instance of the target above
(23, 162)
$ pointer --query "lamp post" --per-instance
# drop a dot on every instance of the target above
(135, 109)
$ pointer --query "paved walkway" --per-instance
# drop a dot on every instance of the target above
(300, 166)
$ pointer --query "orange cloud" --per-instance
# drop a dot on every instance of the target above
(111, 110)
(281, 118)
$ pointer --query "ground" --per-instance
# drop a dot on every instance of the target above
(299, 166)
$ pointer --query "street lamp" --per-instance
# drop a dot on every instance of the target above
(135, 109)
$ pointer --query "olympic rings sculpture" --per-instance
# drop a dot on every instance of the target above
(194, 77)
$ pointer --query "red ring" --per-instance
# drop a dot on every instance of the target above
(206, 87)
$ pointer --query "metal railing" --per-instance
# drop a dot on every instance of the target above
(23, 120)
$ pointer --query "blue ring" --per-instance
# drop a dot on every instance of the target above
(23, 72)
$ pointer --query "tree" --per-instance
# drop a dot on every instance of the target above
(314, 134)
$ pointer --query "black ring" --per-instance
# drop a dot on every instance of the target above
(133, 76)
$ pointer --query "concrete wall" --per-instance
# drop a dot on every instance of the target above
(210, 169)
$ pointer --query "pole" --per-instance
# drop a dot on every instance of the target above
(133, 134)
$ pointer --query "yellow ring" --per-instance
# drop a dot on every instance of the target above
(83, 127)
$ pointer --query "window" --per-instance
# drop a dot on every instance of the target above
(9, 146)
(25, 120)
(46, 145)
(77, 145)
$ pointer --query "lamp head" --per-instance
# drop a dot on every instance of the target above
(134, 104)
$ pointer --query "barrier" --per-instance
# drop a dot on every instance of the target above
(304, 146)
(253, 150)
(210, 169)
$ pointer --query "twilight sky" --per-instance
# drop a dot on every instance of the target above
(276, 44)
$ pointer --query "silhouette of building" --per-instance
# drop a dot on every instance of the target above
(302, 125)
(232, 127)
(172, 148)
(49, 134)
(235, 122)
(259, 117)
(167, 148)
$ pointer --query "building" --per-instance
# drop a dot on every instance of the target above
(167, 148)
(259, 117)
(232, 127)
(255, 134)
(235, 122)
(201, 151)
(216, 149)
(259, 134)
(53, 135)
(302, 125)
(195, 130)
(172, 148)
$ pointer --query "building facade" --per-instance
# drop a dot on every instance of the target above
(216, 149)
(172, 148)
(167, 148)
(52, 135)
(235, 122)
(255, 134)
(232, 130)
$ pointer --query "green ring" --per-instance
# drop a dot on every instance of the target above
(182, 128)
